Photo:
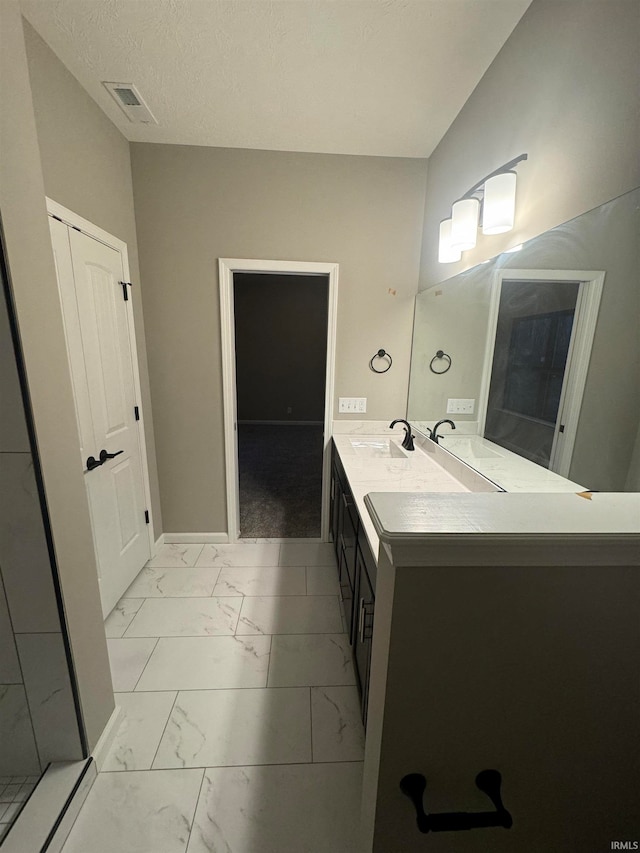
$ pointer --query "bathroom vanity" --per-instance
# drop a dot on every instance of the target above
(361, 464)
(364, 463)
(505, 637)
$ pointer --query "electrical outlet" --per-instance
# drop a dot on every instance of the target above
(460, 407)
(352, 405)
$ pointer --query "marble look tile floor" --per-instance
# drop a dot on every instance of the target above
(240, 727)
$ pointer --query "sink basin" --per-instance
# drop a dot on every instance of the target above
(377, 448)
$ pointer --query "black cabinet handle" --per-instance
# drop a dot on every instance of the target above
(104, 455)
(361, 621)
(92, 463)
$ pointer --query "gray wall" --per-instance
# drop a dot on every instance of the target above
(563, 89)
(194, 205)
(281, 346)
(525, 669)
(87, 168)
(37, 305)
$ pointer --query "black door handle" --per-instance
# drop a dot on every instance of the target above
(104, 455)
(92, 463)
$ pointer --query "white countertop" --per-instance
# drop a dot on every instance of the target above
(510, 471)
(431, 469)
(417, 472)
(425, 517)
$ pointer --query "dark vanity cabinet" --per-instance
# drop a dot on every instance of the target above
(344, 525)
(364, 606)
(356, 572)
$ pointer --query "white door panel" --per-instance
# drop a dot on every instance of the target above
(64, 271)
(97, 318)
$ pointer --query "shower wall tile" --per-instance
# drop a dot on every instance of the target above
(24, 558)
(18, 755)
(46, 678)
(38, 714)
(9, 666)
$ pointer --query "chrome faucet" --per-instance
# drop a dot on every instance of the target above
(407, 441)
(433, 433)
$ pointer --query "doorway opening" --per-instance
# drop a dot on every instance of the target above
(281, 355)
(278, 341)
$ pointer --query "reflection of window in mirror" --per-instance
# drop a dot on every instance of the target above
(533, 335)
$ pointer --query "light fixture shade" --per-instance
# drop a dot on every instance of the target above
(499, 203)
(447, 255)
(464, 223)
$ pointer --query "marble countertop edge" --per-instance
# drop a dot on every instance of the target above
(500, 517)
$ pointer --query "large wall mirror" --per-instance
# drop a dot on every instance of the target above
(546, 343)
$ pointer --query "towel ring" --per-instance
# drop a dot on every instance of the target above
(381, 354)
(440, 354)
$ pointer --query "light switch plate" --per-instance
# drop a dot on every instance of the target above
(352, 405)
(460, 406)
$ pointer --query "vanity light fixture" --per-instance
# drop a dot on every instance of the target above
(499, 207)
(464, 223)
(446, 253)
(491, 203)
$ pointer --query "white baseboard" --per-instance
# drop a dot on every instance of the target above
(195, 538)
(107, 737)
(158, 544)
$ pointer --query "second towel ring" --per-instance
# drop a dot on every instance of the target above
(438, 355)
(381, 354)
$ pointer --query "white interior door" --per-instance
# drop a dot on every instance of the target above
(96, 318)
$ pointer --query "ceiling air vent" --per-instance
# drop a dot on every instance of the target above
(130, 102)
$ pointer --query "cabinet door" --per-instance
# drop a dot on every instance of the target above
(347, 564)
(336, 505)
(363, 631)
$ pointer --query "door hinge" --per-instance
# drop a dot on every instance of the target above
(561, 428)
(53, 216)
(125, 292)
(146, 516)
(136, 412)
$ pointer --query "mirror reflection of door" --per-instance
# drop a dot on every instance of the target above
(530, 366)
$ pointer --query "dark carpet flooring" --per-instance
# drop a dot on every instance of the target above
(280, 472)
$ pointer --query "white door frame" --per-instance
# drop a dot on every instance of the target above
(575, 376)
(70, 218)
(227, 267)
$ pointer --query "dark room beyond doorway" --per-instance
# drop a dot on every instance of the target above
(281, 351)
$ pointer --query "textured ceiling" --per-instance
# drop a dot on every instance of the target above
(378, 77)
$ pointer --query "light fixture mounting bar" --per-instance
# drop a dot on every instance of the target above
(504, 168)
